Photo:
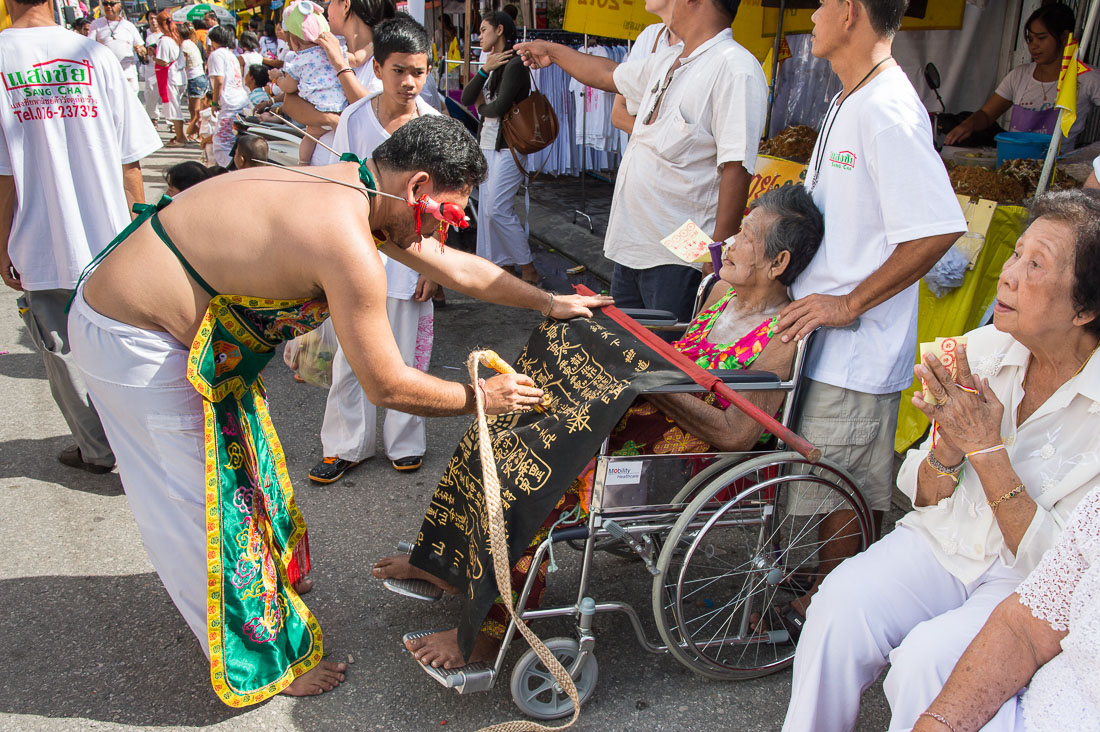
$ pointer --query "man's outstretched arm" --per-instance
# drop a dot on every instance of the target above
(471, 275)
(592, 71)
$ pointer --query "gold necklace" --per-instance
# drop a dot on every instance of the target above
(1087, 359)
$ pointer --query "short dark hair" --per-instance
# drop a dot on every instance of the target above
(372, 12)
(248, 41)
(222, 35)
(885, 15)
(1080, 209)
(80, 22)
(401, 34)
(213, 170)
(1057, 18)
(252, 147)
(259, 74)
(182, 176)
(512, 10)
(440, 146)
(269, 29)
(798, 227)
(729, 7)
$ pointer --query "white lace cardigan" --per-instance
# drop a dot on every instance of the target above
(1064, 590)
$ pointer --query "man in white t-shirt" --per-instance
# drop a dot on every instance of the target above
(401, 49)
(71, 135)
(890, 214)
(692, 152)
(652, 39)
(121, 36)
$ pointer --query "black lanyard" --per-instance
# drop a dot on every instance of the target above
(834, 109)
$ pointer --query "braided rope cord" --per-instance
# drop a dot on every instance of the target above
(499, 546)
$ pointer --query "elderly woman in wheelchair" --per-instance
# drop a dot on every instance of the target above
(734, 330)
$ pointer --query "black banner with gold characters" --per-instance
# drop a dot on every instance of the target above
(593, 369)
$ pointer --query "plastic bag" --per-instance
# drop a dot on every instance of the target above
(311, 355)
(948, 273)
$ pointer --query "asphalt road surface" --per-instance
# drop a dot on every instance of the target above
(93, 641)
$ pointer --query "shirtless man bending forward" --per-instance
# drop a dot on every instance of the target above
(172, 342)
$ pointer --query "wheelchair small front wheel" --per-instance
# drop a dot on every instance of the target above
(533, 687)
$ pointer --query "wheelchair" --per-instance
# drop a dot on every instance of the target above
(727, 551)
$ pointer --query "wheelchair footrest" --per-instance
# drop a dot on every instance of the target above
(468, 679)
(414, 588)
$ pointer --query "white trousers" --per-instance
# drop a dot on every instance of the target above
(893, 604)
(349, 428)
(153, 417)
(152, 97)
(173, 109)
(500, 237)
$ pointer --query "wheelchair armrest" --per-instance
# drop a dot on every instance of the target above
(738, 379)
(655, 319)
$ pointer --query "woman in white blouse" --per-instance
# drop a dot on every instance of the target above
(1046, 636)
(1017, 449)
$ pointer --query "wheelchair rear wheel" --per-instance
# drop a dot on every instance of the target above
(731, 563)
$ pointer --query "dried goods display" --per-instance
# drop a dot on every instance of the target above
(792, 143)
(1013, 182)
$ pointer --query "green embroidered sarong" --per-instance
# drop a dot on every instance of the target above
(261, 634)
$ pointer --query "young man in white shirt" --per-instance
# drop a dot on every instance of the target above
(401, 49)
(692, 151)
(890, 214)
(69, 169)
(121, 36)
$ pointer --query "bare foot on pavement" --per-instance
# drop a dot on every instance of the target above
(326, 676)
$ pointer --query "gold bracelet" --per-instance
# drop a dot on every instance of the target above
(939, 718)
(1007, 496)
(550, 306)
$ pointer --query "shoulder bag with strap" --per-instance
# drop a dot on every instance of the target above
(529, 126)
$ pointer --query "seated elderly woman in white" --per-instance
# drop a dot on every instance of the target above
(1018, 446)
(1045, 636)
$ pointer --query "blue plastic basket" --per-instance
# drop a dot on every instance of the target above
(1015, 145)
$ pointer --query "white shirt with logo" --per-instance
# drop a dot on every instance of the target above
(880, 183)
(360, 132)
(69, 120)
(120, 36)
(711, 114)
(223, 63)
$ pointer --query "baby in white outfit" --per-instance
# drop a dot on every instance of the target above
(309, 72)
